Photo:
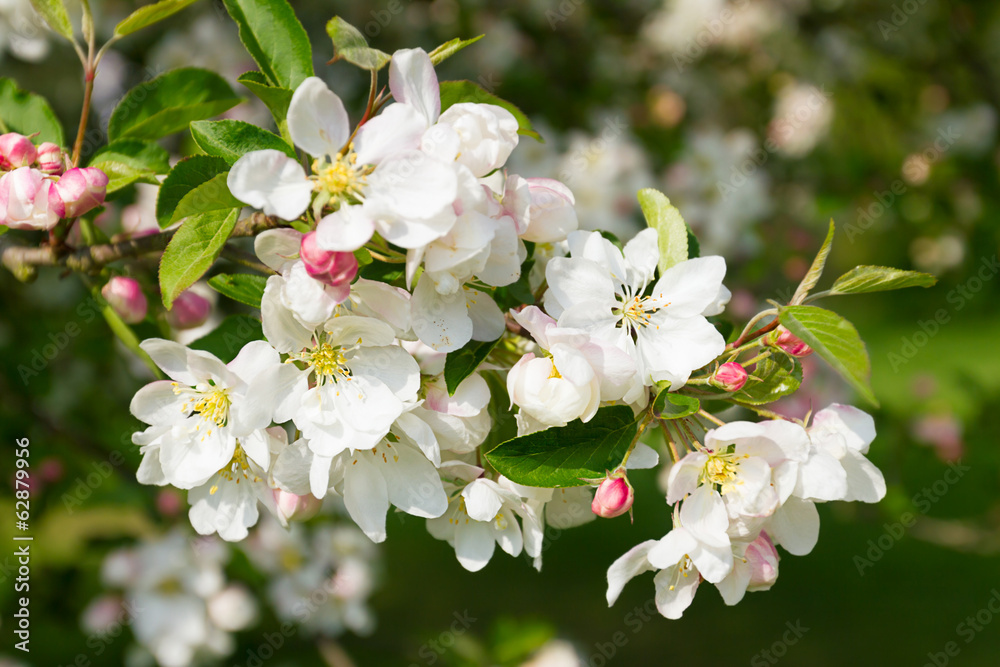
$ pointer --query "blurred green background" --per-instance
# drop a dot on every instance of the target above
(761, 120)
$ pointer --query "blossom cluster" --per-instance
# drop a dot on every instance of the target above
(349, 394)
(38, 187)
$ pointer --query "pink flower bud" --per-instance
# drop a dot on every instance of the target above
(613, 498)
(169, 502)
(28, 200)
(16, 150)
(82, 190)
(51, 159)
(331, 268)
(790, 343)
(292, 507)
(189, 310)
(126, 298)
(731, 376)
(763, 560)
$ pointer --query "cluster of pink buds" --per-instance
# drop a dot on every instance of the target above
(37, 187)
(791, 344)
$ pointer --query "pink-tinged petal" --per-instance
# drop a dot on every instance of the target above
(536, 323)
(317, 119)
(271, 181)
(345, 230)
(414, 82)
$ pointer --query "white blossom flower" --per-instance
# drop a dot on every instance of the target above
(602, 290)
(361, 381)
(196, 419)
(477, 519)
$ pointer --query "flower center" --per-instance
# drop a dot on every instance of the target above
(238, 468)
(636, 312)
(208, 400)
(722, 469)
(327, 360)
(342, 179)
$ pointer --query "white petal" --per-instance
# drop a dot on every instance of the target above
(641, 257)
(671, 549)
(627, 567)
(576, 281)
(795, 526)
(413, 483)
(734, 587)
(255, 357)
(487, 318)
(281, 328)
(864, 481)
(319, 474)
(481, 500)
(292, 466)
(704, 515)
(317, 119)
(440, 321)
(412, 81)
(345, 230)
(672, 599)
(474, 544)
(691, 285)
(156, 403)
(643, 457)
(398, 127)
(507, 532)
(411, 184)
(366, 497)
(821, 478)
(278, 248)
(271, 181)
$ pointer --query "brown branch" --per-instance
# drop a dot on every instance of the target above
(22, 260)
(753, 335)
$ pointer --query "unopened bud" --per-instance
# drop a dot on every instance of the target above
(731, 376)
(613, 497)
(82, 190)
(16, 150)
(791, 344)
(763, 560)
(189, 310)
(331, 268)
(292, 507)
(51, 159)
(126, 298)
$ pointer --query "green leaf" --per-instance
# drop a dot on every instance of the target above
(27, 113)
(212, 195)
(124, 332)
(462, 363)
(275, 39)
(862, 279)
(192, 250)
(776, 376)
(275, 98)
(836, 340)
(168, 103)
(350, 45)
(54, 13)
(455, 92)
(243, 287)
(150, 14)
(232, 139)
(129, 161)
(816, 270)
(183, 178)
(565, 456)
(450, 48)
(671, 230)
(674, 406)
(226, 340)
